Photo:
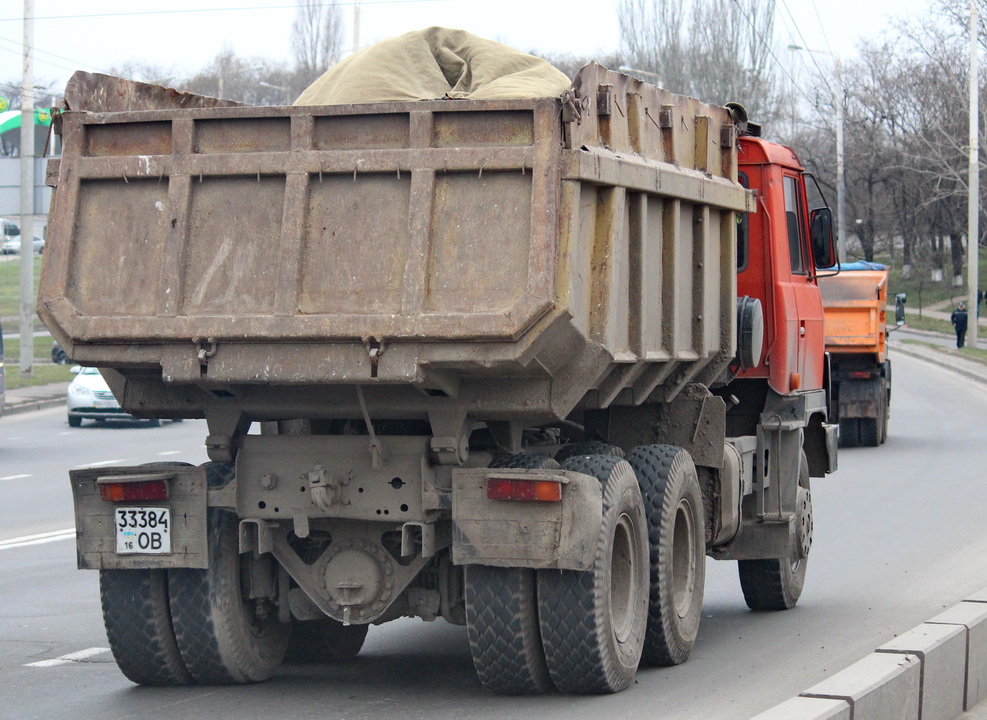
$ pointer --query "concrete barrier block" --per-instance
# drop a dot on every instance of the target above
(882, 686)
(805, 708)
(972, 616)
(942, 650)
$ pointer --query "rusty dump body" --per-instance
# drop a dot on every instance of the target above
(470, 359)
(490, 260)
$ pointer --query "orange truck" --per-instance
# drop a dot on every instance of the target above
(855, 303)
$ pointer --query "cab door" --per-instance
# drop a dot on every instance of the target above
(809, 329)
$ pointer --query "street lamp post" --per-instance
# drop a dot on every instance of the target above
(283, 89)
(973, 185)
(840, 177)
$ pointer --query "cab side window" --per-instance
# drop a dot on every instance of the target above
(792, 221)
(743, 234)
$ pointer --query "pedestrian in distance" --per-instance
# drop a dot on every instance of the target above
(980, 299)
(959, 320)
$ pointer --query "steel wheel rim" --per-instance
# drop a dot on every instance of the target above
(683, 558)
(623, 578)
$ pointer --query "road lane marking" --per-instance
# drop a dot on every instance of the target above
(14, 477)
(169, 452)
(40, 539)
(70, 658)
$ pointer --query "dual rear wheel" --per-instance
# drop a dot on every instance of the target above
(183, 626)
(588, 631)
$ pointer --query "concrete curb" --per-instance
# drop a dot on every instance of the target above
(935, 671)
(31, 405)
(903, 349)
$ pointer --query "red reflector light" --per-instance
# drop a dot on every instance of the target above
(131, 491)
(525, 490)
(860, 374)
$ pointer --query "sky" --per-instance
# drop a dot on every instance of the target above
(185, 35)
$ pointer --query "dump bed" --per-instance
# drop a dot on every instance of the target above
(854, 305)
(513, 256)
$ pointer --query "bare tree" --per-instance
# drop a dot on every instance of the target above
(571, 64)
(316, 39)
(717, 50)
(652, 35)
(254, 81)
(147, 72)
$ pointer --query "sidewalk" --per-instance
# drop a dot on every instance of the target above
(946, 356)
(38, 397)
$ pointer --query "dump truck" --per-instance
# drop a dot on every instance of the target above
(855, 306)
(483, 360)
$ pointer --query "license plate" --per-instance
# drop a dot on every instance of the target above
(145, 530)
(105, 403)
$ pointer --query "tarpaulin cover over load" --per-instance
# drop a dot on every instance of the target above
(435, 63)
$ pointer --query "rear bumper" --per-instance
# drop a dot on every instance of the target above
(93, 413)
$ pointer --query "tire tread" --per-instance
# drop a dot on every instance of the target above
(138, 626)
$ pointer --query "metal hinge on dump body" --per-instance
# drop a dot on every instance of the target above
(375, 349)
(571, 107)
(205, 349)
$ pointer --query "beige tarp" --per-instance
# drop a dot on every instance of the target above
(435, 63)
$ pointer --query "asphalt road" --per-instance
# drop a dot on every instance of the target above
(900, 535)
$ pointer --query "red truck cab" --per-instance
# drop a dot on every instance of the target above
(777, 265)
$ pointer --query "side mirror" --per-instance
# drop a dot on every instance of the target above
(899, 309)
(823, 243)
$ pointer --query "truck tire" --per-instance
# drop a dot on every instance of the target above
(502, 622)
(593, 622)
(677, 532)
(885, 410)
(849, 432)
(223, 637)
(588, 448)
(524, 461)
(325, 641)
(138, 626)
(776, 584)
(502, 616)
(870, 431)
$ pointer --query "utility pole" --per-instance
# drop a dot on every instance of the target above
(840, 174)
(973, 196)
(356, 25)
(27, 198)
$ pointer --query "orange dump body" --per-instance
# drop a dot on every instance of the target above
(854, 304)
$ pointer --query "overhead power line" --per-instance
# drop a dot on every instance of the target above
(293, 6)
(36, 52)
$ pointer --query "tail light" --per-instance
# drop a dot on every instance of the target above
(860, 375)
(112, 490)
(524, 490)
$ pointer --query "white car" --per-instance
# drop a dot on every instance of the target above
(12, 246)
(90, 398)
